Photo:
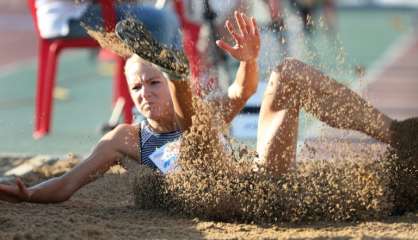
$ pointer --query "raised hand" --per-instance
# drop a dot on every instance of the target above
(247, 39)
(14, 193)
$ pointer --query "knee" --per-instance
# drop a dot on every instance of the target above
(289, 68)
(285, 84)
(292, 73)
(285, 74)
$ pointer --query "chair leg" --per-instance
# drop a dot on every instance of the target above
(123, 90)
(39, 131)
(49, 87)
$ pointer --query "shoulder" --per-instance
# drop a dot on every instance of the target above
(126, 129)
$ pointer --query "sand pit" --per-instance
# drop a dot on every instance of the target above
(105, 209)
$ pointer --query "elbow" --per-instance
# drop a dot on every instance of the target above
(249, 91)
(253, 90)
(236, 91)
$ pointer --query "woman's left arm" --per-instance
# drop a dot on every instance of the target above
(245, 50)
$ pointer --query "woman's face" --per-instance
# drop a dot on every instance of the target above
(150, 93)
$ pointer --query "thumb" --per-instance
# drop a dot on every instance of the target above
(22, 188)
(224, 46)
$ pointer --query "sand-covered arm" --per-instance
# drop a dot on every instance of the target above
(120, 142)
(61, 188)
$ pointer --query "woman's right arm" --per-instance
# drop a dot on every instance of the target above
(121, 141)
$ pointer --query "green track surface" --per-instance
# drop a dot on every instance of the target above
(76, 120)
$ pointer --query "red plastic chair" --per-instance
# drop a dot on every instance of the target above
(48, 53)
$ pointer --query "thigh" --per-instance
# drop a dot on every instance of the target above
(278, 123)
(162, 23)
(91, 18)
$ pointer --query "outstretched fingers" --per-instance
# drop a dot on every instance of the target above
(254, 28)
(236, 36)
(250, 25)
(239, 19)
(246, 38)
(247, 22)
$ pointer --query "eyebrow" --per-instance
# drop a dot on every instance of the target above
(136, 82)
(151, 78)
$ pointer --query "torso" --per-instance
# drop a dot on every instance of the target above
(150, 141)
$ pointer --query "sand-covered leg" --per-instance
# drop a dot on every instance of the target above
(333, 103)
(295, 85)
(277, 125)
(405, 137)
(402, 160)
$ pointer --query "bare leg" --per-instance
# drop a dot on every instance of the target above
(294, 85)
(278, 124)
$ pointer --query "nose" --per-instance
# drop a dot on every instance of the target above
(146, 92)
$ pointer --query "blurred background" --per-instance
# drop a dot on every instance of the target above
(371, 46)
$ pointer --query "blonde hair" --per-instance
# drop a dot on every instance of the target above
(132, 65)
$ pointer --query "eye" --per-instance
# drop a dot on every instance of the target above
(136, 88)
(155, 82)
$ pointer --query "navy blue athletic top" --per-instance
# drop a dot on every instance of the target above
(150, 141)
